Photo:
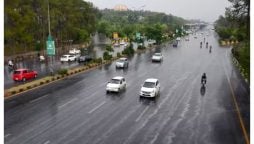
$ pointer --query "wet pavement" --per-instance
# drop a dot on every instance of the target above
(77, 110)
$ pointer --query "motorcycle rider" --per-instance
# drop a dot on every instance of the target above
(210, 49)
(10, 63)
(203, 78)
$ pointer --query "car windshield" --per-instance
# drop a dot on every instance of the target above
(157, 54)
(121, 60)
(115, 81)
(64, 56)
(17, 72)
(149, 84)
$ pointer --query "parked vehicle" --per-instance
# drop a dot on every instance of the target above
(23, 74)
(116, 84)
(150, 88)
(74, 51)
(122, 63)
(77, 56)
(84, 58)
(175, 44)
(67, 58)
(157, 57)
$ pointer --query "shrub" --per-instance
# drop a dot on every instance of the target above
(128, 51)
(47, 81)
(13, 92)
(21, 89)
(28, 87)
(106, 56)
(41, 82)
(118, 55)
(109, 48)
(62, 71)
(98, 60)
(141, 47)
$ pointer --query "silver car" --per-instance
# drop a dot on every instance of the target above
(122, 63)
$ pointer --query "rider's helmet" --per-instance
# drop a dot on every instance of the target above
(204, 74)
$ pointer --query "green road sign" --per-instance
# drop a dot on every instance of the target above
(50, 46)
(138, 35)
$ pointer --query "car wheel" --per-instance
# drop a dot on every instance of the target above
(35, 76)
(23, 79)
(107, 92)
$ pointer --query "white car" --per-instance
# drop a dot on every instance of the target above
(122, 63)
(67, 58)
(178, 39)
(116, 84)
(157, 57)
(77, 56)
(74, 51)
(122, 43)
(150, 88)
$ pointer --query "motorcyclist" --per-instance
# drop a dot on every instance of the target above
(203, 78)
(210, 49)
(10, 63)
(206, 44)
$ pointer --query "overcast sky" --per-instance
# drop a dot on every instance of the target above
(207, 10)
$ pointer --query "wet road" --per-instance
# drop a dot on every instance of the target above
(78, 111)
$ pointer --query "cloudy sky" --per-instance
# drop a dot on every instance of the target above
(207, 10)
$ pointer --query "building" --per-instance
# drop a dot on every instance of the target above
(120, 7)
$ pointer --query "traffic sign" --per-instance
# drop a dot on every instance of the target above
(50, 46)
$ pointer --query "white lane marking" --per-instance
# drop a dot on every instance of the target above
(61, 106)
(35, 100)
(47, 142)
(7, 135)
(139, 117)
(101, 104)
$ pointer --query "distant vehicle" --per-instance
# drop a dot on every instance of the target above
(175, 44)
(116, 84)
(84, 58)
(178, 38)
(195, 37)
(122, 63)
(74, 51)
(151, 41)
(150, 88)
(41, 58)
(23, 74)
(67, 58)
(122, 43)
(77, 56)
(116, 44)
(157, 57)
(187, 39)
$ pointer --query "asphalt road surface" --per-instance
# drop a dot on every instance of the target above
(77, 110)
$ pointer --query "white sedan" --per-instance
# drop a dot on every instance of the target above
(150, 88)
(116, 84)
(157, 57)
(67, 58)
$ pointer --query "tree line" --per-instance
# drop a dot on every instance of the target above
(74, 22)
(235, 26)
(153, 25)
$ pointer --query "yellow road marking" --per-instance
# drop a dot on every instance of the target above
(246, 137)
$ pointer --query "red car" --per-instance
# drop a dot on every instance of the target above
(23, 74)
